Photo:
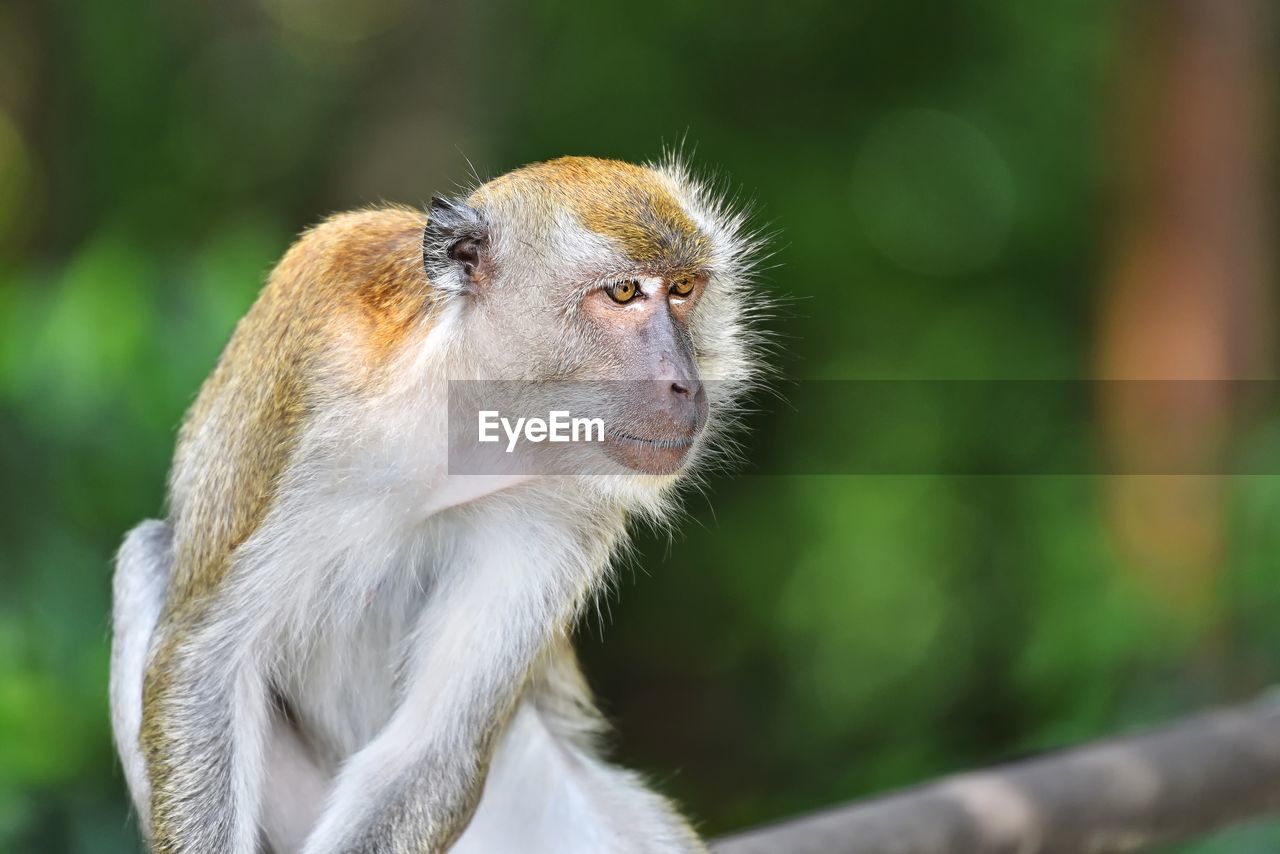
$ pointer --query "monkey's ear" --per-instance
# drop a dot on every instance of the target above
(455, 246)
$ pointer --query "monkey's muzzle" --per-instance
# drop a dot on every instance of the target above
(660, 441)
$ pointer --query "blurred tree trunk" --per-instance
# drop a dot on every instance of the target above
(1187, 295)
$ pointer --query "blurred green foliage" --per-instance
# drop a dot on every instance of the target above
(936, 174)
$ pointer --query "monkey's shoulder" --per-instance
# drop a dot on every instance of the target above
(359, 271)
(349, 250)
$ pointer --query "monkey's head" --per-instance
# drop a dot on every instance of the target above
(632, 282)
(632, 279)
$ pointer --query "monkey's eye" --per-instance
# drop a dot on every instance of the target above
(682, 286)
(624, 291)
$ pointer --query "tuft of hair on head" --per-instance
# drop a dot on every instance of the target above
(742, 248)
(746, 370)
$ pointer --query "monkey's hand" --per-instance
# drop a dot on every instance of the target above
(505, 595)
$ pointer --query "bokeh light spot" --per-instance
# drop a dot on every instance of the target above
(932, 193)
(338, 21)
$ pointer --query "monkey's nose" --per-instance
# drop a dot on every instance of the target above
(687, 403)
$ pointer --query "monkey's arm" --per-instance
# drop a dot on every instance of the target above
(624, 811)
(549, 790)
(204, 722)
(514, 582)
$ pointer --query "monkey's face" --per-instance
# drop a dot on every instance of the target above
(636, 332)
(627, 280)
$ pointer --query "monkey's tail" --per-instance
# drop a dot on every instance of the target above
(143, 566)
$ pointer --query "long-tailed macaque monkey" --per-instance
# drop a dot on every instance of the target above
(334, 644)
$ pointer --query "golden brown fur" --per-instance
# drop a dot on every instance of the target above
(632, 205)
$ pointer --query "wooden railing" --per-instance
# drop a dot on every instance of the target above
(1127, 794)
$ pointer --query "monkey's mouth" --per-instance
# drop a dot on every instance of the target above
(649, 454)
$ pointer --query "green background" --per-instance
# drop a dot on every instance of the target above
(937, 173)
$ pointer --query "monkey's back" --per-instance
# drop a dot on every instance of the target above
(338, 304)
